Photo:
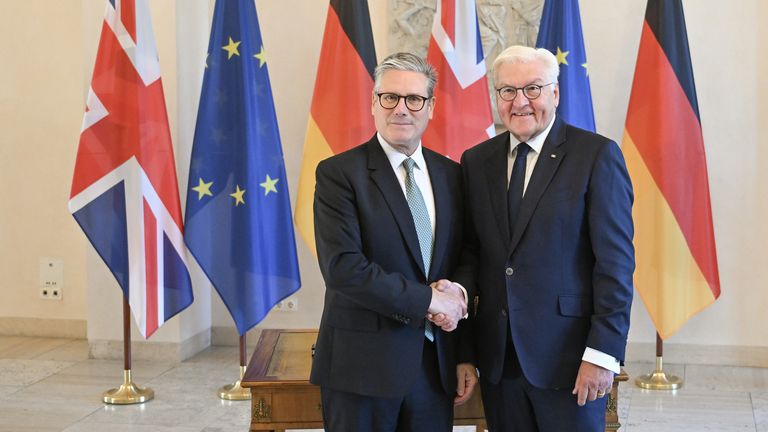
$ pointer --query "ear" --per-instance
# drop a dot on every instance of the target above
(556, 91)
(431, 107)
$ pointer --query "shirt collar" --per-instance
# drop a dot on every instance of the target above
(536, 143)
(396, 158)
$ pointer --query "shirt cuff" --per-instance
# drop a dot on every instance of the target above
(601, 359)
(466, 299)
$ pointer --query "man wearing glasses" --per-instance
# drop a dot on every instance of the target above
(550, 257)
(388, 221)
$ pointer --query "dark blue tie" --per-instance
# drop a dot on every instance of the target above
(516, 182)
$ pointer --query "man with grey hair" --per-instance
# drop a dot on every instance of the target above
(549, 257)
(388, 220)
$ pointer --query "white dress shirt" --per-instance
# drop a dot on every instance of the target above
(421, 175)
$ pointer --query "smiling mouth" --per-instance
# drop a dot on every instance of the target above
(521, 114)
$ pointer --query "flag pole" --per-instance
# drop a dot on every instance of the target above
(235, 391)
(128, 392)
(658, 379)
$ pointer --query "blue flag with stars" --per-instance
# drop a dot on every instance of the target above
(560, 32)
(238, 219)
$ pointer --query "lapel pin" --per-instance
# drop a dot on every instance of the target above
(553, 156)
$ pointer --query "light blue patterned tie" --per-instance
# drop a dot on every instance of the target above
(423, 225)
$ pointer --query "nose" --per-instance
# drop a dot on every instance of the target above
(520, 100)
(400, 108)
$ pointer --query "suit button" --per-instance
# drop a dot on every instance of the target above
(509, 271)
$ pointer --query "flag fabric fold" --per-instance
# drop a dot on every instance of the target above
(677, 273)
(340, 116)
(238, 214)
(560, 32)
(462, 116)
(124, 192)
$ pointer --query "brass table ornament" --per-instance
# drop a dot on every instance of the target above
(128, 393)
(235, 391)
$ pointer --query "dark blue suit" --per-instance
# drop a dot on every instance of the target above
(371, 334)
(562, 281)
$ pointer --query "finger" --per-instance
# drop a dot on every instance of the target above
(471, 383)
(440, 320)
(592, 395)
(581, 398)
(458, 400)
(447, 325)
(461, 386)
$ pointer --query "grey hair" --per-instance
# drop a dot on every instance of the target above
(403, 61)
(524, 54)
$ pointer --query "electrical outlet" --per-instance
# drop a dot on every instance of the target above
(51, 278)
(291, 304)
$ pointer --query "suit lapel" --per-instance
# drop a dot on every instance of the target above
(443, 212)
(382, 175)
(495, 167)
(549, 160)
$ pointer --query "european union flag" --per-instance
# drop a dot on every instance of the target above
(238, 218)
(560, 32)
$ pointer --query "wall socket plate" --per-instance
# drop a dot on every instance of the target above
(51, 285)
(291, 304)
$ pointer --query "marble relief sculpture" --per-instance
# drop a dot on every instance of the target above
(502, 23)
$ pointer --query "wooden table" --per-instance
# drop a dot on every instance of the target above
(282, 397)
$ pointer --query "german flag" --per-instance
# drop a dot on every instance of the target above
(677, 273)
(340, 116)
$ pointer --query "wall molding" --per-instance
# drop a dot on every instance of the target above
(721, 355)
(228, 336)
(43, 327)
(172, 352)
(725, 355)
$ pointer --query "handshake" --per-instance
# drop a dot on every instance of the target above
(448, 305)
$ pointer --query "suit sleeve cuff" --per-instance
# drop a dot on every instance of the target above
(601, 359)
(466, 299)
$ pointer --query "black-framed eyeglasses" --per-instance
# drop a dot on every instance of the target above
(412, 102)
(531, 91)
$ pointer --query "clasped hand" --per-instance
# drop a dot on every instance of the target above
(448, 305)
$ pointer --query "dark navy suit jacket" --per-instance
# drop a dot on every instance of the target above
(372, 330)
(562, 280)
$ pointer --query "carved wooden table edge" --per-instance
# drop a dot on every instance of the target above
(278, 403)
(612, 423)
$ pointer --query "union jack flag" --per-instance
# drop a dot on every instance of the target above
(125, 195)
(462, 116)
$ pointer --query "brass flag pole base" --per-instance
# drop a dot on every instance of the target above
(658, 380)
(128, 393)
(235, 391)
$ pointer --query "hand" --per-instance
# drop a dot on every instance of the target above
(466, 375)
(592, 382)
(448, 287)
(445, 310)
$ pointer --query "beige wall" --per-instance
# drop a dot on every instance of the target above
(41, 104)
(47, 63)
